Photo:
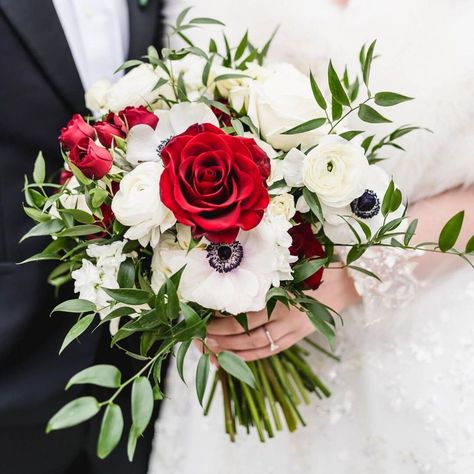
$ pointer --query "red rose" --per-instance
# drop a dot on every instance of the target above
(94, 161)
(306, 245)
(64, 176)
(214, 182)
(112, 126)
(138, 115)
(75, 130)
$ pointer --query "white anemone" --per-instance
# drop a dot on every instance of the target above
(145, 143)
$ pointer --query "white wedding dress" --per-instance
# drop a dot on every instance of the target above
(403, 394)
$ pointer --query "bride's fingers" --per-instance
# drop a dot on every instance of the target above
(283, 343)
(227, 325)
(253, 340)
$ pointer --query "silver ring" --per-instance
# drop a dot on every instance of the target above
(273, 346)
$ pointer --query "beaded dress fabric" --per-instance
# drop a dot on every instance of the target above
(403, 394)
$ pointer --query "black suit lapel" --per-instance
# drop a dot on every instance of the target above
(38, 26)
(145, 27)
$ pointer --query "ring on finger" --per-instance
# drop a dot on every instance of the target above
(273, 345)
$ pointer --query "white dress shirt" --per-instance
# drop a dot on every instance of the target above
(97, 32)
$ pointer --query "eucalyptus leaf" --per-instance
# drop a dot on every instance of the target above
(81, 230)
(314, 204)
(180, 356)
(44, 228)
(368, 63)
(80, 216)
(235, 366)
(318, 96)
(206, 21)
(336, 88)
(410, 232)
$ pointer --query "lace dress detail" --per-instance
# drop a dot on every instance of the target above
(397, 286)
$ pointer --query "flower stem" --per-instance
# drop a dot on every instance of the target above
(321, 349)
(269, 394)
(297, 380)
(258, 394)
(211, 394)
(229, 421)
(253, 410)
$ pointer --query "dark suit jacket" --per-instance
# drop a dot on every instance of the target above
(39, 91)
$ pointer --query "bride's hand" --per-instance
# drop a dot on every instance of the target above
(285, 327)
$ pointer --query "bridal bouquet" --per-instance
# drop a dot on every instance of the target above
(208, 181)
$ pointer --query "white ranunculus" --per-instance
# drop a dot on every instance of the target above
(292, 168)
(281, 101)
(243, 272)
(136, 88)
(336, 170)
(96, 96)
(71, 198)
(366, 209)
(145, 143)
(90, 278)
(302, 205)
(138, 205)
(282, 205)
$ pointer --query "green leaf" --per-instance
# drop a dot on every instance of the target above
(205, 21)
(355, 253)
(110, 430)
(77, 330)
(190, 316)
(396, 200)
(75, 412)
(350, 134)
(75, 305)
(387, 199)
(235, 366)
(305, 269)
(36, 214)
(318, 315)
(387, 99)
(242, 319)
(172, 306)
(142, 404)
(81, 177)
(231, 75)
(44, 228)
(450, 232)
(318, 96)
(368, 63)
(128, 64)
(180, 356)
(81, 230)
(128, 295)
(98, 197)
(313, 202)
(241, 47)
(182, 15)
(410, 232)
(336, 110)
(365, 272)
(117, 313)
(470, 245)
(132, 443)
(80, 216)
(39, 169)
(306, 126)
(370, 115)
(126, 274)
(205, 72)
(336, 88)
(202, 374)
(103, 375)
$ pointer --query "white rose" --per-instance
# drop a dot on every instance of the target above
(138, 205)
(281, 101)
(96, 96)
(137, 88)
(282, 205)
(336, 170)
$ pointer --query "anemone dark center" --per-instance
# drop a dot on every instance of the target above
(367, 205)
(162, 145)
(225, 257)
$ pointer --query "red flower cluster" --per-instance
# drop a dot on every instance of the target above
(306, 245)
(78, 137)
(214, 182)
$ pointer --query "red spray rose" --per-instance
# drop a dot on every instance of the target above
(112, 126)
(306, 245)
(138, 115)
(214, 182)
(94, 161)
(75, 130)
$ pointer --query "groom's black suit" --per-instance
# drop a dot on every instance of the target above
(39, 91)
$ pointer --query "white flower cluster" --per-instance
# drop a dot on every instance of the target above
(91, 278)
